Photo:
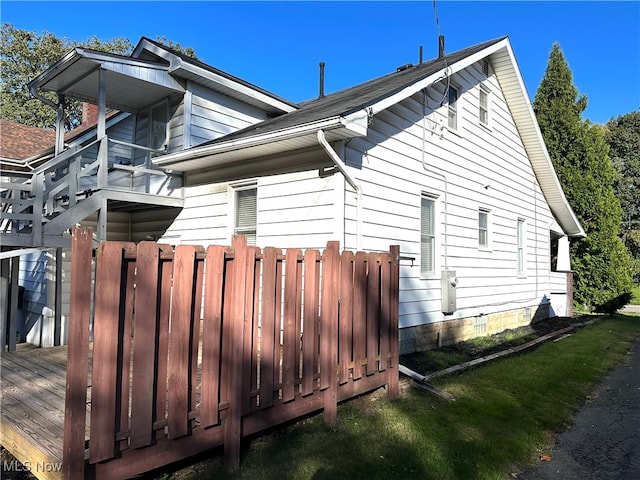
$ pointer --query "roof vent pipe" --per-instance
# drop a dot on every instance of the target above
(420, 57)
(321, 80)
(440, 46)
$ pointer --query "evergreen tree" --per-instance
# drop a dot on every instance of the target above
(24, 55)
(602, 265)
(623, 137)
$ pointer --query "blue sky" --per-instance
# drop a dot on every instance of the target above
(278, 45)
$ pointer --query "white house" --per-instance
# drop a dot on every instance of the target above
(443, 158)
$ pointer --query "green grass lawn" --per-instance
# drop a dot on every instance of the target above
(505, 414)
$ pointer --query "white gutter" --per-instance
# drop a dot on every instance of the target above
(173, 160)
(337, 161)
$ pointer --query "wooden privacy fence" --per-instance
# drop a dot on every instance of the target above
(196, 348)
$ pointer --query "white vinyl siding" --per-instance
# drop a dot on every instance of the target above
(214, 115)
(292, 210)
(482, 167)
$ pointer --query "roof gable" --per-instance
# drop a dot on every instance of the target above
(345, 113)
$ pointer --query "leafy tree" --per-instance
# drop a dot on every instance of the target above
(602, 265)
(24, 55)
(623, 137)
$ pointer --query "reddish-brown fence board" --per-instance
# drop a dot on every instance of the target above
(194, 349)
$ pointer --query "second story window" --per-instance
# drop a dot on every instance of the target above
(453, 108)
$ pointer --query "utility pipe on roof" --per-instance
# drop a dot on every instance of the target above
(337, 161)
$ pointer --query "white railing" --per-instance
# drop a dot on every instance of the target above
(28, 200)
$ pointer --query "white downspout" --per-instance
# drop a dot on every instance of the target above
(59, 108)
(337, 161)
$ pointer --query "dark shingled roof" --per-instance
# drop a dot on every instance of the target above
(352, 99)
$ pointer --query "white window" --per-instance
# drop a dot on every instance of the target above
(483, 228)
(453, 108)
(427, 235)
(484, 106)
(520, 243)
(246, 212)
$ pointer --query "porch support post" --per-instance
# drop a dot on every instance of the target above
(102, 103)
(102, 220)
(13, 305)
(103, 157)
(57, 328)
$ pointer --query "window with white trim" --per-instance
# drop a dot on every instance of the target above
(483, 113)
(453, 108)
(483, 228)
(246, 212)
(427, 235)
(520, 245)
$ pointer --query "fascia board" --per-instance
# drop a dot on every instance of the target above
(526, 124)
(65, 62)
(435, 77)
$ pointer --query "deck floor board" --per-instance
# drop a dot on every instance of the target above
(33, 400)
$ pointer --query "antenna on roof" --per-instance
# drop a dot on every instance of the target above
(321, 94)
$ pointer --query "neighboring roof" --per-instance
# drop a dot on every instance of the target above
(18, 142)
(345, 114)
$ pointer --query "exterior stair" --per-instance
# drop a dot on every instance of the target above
(38, 207)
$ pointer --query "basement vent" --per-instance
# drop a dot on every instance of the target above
(527, 315)
(480, 325)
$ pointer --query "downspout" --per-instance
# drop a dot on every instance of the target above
(59, 107)
(337, 161)
(433, 172)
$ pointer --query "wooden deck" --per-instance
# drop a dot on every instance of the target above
(32, 402)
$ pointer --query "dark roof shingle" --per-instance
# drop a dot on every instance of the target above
(355, 98)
